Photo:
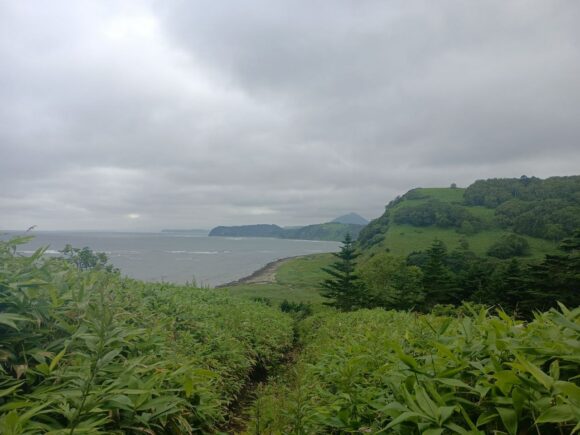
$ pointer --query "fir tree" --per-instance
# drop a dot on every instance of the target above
(438, 280)
(344, 287)
(557, 278)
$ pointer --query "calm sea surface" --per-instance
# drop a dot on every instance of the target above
(175, 257)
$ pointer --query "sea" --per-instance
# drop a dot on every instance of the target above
(178, 257)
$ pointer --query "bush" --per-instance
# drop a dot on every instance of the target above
(438, 213)
(509, 246)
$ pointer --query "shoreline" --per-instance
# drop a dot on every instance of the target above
(264, 275)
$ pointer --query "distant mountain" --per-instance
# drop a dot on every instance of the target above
(351, 218)
(332, 231)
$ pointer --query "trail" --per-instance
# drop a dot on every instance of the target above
(240, 410)
(264, 275)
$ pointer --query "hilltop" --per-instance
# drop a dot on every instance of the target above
(541, 212)
(351, 218)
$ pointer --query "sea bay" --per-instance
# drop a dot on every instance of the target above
(178, 257)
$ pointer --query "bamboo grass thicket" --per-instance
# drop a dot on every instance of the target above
(86, 351)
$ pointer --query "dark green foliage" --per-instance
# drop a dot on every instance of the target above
(328, 231)
(374, 232)
(493, 192)
(391, 283)
(344, 288)
(509, 246)
(557, 278)
(86, 259)
(550, 219)
(299, 310)
(548, 209)
(262, 300)
(439, 281)
(441, 214)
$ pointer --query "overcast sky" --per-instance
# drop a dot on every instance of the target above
(142, 115)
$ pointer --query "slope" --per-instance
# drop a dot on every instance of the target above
(411, 222)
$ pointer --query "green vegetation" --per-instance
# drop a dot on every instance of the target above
(330, 231)
(547, 208)
(540, 211)
(297, 280)
(375, 371)
(509, 246)
(486, 339)
(84, 351)
(343, 287)
(437, 276)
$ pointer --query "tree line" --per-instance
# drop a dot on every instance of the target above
(438, 277)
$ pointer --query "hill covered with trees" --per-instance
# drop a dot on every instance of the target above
(532, 213)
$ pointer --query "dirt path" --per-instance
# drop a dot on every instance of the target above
(265, 275)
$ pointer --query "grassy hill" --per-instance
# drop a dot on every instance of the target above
(390, 232)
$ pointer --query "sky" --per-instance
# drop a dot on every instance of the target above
(143, 115)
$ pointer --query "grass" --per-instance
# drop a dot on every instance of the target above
(297, 280)
(404, 239)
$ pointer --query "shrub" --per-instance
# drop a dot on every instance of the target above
(509, 246)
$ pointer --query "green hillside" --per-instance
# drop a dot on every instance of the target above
(297, 280)
(541, 212)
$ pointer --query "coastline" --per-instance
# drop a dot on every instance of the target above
(264, 275)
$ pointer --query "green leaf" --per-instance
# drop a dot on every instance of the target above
(538, 374)
(405, 416)
(454, 383)
(10, 390)
(56, 359)
(557, 414)
(9, 319)
(509, 419)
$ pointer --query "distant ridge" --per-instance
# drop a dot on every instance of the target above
(351, 218)
(332, 231)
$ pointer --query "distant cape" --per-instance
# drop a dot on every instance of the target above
(330, 231)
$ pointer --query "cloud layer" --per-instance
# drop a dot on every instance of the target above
(147, 115)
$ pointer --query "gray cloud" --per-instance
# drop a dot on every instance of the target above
(144, 115)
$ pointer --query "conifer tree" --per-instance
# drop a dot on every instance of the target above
(344, 287)
(557, 278)
(438, 280)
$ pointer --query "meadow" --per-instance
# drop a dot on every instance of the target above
(297, 280)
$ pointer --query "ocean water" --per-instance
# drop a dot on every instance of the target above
(179, 257)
